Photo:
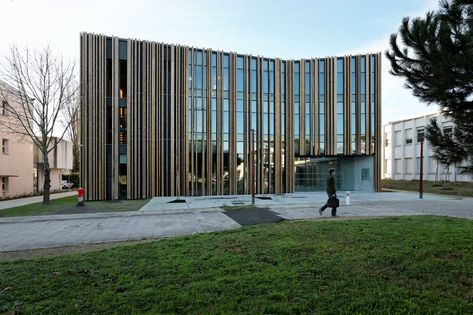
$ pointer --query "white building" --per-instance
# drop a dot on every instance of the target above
(60, 163)
(401, 154)
(16, 155)
(21, 166)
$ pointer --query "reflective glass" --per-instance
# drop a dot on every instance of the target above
(240, 80)
(226, 122)
(226, 60)
(239, 121)
(239, 105)
(240, 62)
(226, 79)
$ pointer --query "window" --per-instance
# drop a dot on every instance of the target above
(4, 184)
(4, 108)
(397, 137)
(5, 146)
(122, 117)
(448, 131)
(433, 165)
(397, 166)
(420, 134)
(418, 166)
(408, 165)
(408, 136)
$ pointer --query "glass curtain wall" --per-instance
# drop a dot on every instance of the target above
(353, 105)
(240, 171)
(307, 92)
(322, 107)
(372, 124)
(214, 122)
(363, 106)
(226, 123)
(283, 123)
(309, 170)
(339, 108)
(297, 108)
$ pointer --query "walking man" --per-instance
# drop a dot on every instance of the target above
(331, 193)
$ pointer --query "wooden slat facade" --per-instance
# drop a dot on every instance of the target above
(147, 130)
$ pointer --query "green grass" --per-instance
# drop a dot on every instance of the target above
(407, 265)
(67, 205)
(435, 187)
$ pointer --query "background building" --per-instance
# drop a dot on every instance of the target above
(60, 163)
(16, 156)
(21, 168)
(167, 120)
(402, 151)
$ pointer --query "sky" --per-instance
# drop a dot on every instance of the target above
(284, 29)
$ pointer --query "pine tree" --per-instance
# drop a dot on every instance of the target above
(446, 147)
(436, 59)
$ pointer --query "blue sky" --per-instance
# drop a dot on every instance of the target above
(285, 29)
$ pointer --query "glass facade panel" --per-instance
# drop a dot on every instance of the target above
(353, 104)
(363, 105)
(340, 113)
(322, 106)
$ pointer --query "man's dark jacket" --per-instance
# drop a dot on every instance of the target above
(331, 185)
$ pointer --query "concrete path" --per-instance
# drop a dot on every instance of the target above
(166, 221)
(29, 200)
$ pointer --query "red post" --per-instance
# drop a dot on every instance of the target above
(252, 165)
(80, 196)
(421, 177)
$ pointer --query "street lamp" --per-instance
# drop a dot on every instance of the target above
(421, 175)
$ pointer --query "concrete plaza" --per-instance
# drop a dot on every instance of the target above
(159, 218)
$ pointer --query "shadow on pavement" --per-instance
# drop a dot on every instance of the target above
(252, 216)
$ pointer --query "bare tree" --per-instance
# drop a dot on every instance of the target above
(42, 87)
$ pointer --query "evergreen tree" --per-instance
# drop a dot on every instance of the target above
(436, 59)
(447, 149)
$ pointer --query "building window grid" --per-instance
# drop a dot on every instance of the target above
(5, 146)
(4, 108)
(363, 106)
(308, 111)
(4, 184)
(322, 106)
(420, 134)
(340, 107)
(353, 104)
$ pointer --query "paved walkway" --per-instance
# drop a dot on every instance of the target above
(29, 200)
(192, 217)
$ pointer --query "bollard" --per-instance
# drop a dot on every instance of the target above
(347, 201)
(80, 196)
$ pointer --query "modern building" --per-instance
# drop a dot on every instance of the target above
(402, 151)
(168, 120)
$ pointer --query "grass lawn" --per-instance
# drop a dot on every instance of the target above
(67, 205)
(436, 187)
(382, 266)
